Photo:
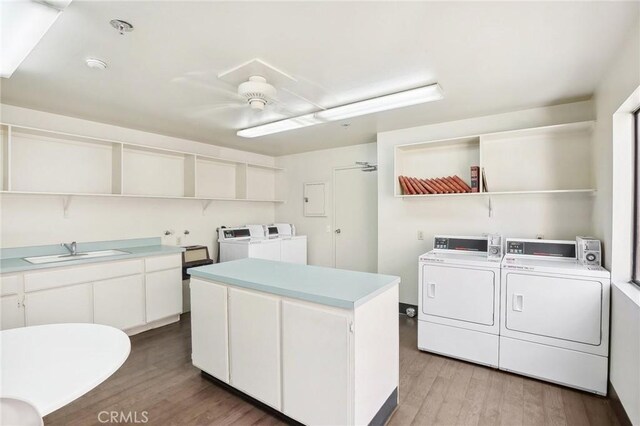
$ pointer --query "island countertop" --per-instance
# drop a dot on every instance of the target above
(327, 286)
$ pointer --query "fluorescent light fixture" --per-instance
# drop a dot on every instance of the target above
(22, 24)
(432, 92)
(279, 126)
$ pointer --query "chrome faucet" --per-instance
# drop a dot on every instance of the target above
(73, 248)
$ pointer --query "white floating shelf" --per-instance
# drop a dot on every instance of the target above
(162, 197)
(490, 194)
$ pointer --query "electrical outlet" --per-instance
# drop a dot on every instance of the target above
(327, 229)
(420, 235)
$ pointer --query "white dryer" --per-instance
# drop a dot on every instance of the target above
(555, 315)
(293, 247)
(247, 241)
(459, 299)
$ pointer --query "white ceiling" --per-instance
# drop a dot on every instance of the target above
(488, 57)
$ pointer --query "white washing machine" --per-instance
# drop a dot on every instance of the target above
(293, 247)
(555, 315)
(459, 299)
(247, 241)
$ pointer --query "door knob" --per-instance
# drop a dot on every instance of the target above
(337, 231)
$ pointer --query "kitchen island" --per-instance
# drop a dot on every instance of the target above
(319, 345)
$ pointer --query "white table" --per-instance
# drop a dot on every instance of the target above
(52, 365)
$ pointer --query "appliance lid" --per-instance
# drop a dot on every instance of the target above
(477, 259)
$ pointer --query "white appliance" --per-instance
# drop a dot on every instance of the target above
(459, 299)
(293, 247)
(555, 315)
(247, 241)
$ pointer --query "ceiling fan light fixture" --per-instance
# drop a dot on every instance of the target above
(432, 92)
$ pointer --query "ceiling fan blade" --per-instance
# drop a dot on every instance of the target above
(200, 85)
(212, 109)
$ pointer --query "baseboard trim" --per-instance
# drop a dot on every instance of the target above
(618, 408)
(403, 308)
(379, 419)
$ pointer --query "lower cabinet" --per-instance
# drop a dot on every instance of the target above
(315, 364)
(209, 330)
(163, 294)
(64, 304)
(254, 345)
(119, 302)
(11, 312)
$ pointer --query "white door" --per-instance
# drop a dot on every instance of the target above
(458, 293)
(315, 364)
(119, 302)
(65, 304)
(356, 220)
(254, 345)
(164, 294)
(209, 332)
(11, 312)
(564, 308)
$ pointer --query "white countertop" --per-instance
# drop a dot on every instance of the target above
(51, 365)
(327, 286)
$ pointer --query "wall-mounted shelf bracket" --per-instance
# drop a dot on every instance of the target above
(205, 206)
(490, 207)
(66, 202)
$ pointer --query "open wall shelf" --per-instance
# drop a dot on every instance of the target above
(42, 162)
(542, 160)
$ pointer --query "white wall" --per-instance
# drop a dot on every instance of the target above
(612, 222)
(316, 166)
(34, 220)
(559, 216)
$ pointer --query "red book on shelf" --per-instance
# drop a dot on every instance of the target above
(438, 186)
(462, 183)
(445, 185)
(475, 179)
(455, 184)
(412, 188)
(403, 186)
(430, 188)
(419, 185)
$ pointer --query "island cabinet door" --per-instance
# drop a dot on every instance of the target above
(119, 302)
(209, 331)
(316, 364)
(254, 345)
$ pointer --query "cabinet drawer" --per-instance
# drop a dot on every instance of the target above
(9, 284)
(159, 263)
(80, 274)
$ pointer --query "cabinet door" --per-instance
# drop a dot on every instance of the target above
(12, 313)
(65, 304)
(164, 294)
(254, 345)
(119, 302)
(315, 364)
(209, 332)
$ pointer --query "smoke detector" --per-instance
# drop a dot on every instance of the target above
(96, 63)
(257, 92)
(121, 26)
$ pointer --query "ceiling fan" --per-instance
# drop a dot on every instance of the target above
(254, 100)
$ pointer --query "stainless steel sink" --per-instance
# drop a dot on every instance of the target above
(67, 257)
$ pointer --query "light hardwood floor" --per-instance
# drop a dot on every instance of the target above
(158, 379)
